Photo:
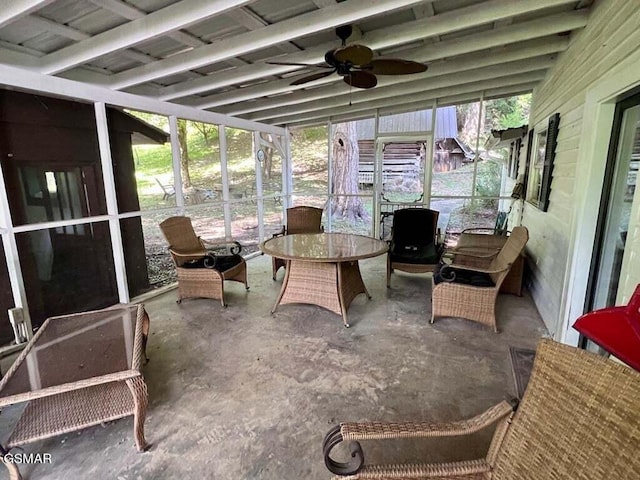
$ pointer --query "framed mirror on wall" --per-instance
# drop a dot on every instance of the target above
(540, 157)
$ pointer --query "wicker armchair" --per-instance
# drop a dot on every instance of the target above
(414, 246)
(467, 289)
(300, 219)
(579, 419)
(202, 266)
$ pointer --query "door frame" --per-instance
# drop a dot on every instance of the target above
(598, 116)
(633, 100)
(380, 140)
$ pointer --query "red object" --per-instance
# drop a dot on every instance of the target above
(616, 329)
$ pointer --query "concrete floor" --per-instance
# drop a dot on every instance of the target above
(239, 394)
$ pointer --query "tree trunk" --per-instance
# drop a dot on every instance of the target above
(184, 154)
(268, 162)
(344, 179)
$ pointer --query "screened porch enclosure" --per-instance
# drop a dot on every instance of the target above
(75, 228)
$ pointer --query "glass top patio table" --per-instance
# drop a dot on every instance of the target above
(324, 247)
(75, 348)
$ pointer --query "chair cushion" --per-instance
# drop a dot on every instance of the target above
(445, 273)
(414, 226)
(415, 254)
(221, 263)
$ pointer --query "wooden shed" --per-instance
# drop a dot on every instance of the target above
(51, 164)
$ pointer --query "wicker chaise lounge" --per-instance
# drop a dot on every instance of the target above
(202, 266)
(475, 299)
(302, 219)
(579, 420)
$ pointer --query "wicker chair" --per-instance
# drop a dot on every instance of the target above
(414, 246)
(300, 219)
(471, 290)
(579, 419)
(202, 266)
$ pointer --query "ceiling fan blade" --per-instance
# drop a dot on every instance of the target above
(298, 64)
(360, 79)
(355, 54)
(394, 66)
(311, 78)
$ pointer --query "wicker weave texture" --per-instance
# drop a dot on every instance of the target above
(196, 282)
(508, 254)
(301, 219)
(579, 420)
(138, 390)
(329, 285)
(466, 470)
(313, 283)
(304, 219)
(384, 430)
(68, 407)
(479, 303)
(70, 411)
(199, 283)
(465, 301)
(179, 232)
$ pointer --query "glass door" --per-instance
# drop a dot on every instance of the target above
(618, 205)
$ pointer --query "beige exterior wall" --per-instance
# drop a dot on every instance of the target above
(611, 36)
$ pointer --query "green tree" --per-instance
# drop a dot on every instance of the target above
(509, 112)
(184, 153)
(344, 177)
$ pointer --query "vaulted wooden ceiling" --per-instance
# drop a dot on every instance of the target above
(212, 54)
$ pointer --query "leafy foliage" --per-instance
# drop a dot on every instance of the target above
(508, 112)
(488, 178)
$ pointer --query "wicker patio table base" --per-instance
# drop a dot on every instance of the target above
(329, 285)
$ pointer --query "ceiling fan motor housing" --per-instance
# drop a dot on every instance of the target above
(342, 68)
(343, 32)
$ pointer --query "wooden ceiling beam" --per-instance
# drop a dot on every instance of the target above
(467, 17)
(133, 13)
(161, 22)
(440, 71)
(253, 21)
(449, 49)
(406, 88)
(500, 92)
(12, 10)
(57, 86)
(318, 20)
(529, 78)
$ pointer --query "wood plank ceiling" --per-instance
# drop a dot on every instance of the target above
(212, 54)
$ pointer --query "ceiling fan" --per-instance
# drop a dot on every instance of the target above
(356, 65)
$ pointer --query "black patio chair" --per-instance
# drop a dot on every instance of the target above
(414, 246)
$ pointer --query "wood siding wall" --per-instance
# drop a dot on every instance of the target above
(611, 34)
